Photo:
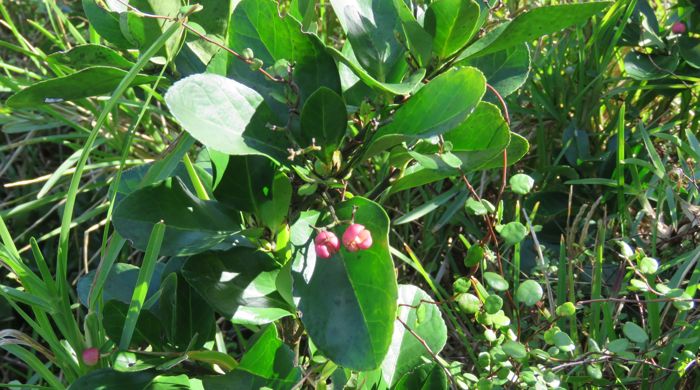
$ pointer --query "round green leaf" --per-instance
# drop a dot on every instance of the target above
(594, 371)
(512, 232)
(406, 351)
(474, 255)
(496, 281)
(563, 342)
(493, 304)
(451, 23)
(635, 332)
(514, 349)
(521, 183)
(348, 302)
(529, 292)
(618, 345)
(468, 303)
(505, 70)
(648, 265)
(566, 309)
(461, 285)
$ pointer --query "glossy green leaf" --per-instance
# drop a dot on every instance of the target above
(566, 309)
(324, 118)
(690, 50)
(268, 363)
(148, 330)
(650, 67)
(512, 232)
(256, 24)
(496, 281)
(563, 342)
(517, 148)
(406, 351)
(93, 81)
(531, 25)
(192, 225)
(429, 376)
(239, 283)
(107, 378)
(648, 265)
(224, 115)
(369, 26)
(529, 293)
(184, 314)
(84, 56)
(635, 333)
(439, 106)
(475, 253)
(505, 70)
(493, 303)
(451, 23)
(418, 41)
(106, 23)
(120, 283)
(353, 325)
(521, 183)
(402, 87)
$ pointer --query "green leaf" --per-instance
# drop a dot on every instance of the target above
(106, 378)
(475, 254)
(143, 31)
(648, 265)
(451, 23)
(517, 148)
(324, 118)
(564, 342)
(496, 281)
(493, 303)
(148, 329)
(84, 56)
(514, 349)
(439, 106)
(213, 18)
(106, 23)
(225, 115)
(406, 351)
(369, 26)
(505, 70)
(418, 41)
(469, 303)
(120, 283)
(635, 333)
(650, 67)
(594, 371)
(93, 81)
(402, 87)
(192, 225)
(256, 24)
(690, 50)
(239, 283)
(531, 25)
(529, 292)
(521, 183)
(268, 363)
(429, 376)
(348, 302)
(618, 345)
(566, 309)
(184, 314)
(512, 232)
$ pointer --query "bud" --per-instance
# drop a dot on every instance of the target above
(256, 64)
(356, 238)
(248, 54)
(678, 28)
(326, 244)
(91, 356)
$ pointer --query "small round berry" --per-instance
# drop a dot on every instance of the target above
(326, 244)
(91, 356)
(357, 237)
(678, 28)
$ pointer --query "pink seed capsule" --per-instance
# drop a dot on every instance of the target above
(357, 237)
(326, 244)
(91, 356)
(678, 28)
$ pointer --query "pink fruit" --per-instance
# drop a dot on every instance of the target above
(91, 356)
(326, 244)
(357, 237)
(678, 28)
